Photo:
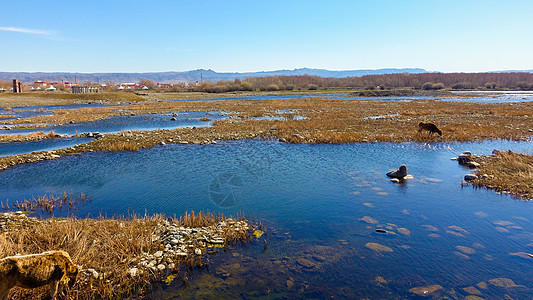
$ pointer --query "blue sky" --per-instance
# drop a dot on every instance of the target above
(241, 36)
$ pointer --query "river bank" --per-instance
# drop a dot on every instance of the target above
(122, 257)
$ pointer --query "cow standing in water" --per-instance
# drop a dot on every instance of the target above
(430, 127)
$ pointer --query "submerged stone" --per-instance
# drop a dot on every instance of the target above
(380, 280)
(455, 233)
(369, 220)
(430, 227)
(503, 223)
(482, 285)
(522, 254)
(290, 284)
(466, 250)
(404, 231)
(461, 255)
(378, 247)
(501, 229)
(481, 214)
(503, 282)
(472, 297)
(425, 291)
(478, 245)
(472, 290)
(306, 263)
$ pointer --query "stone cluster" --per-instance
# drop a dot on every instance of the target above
(467, 159)
(180, 242)
(14, 219)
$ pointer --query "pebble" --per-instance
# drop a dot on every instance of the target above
(470, 177)
(133, 272)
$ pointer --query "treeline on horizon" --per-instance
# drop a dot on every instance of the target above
(427, 81)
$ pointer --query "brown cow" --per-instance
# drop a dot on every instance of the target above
(430, 127)
(54, 268)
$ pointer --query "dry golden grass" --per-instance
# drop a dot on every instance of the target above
(110, 246)
(117, 146)
(33, 136)
(507, 172)
(459, 121)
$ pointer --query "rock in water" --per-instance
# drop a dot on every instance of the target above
(470, 177)
(400, 173)
(425, 291)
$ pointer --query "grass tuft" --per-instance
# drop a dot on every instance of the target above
(507, 172)
(117, 146)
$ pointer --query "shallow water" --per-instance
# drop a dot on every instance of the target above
(321, 205)
(143, 122)
(7, 149)
(473, 97)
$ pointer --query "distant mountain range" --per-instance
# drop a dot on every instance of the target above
(188, 76)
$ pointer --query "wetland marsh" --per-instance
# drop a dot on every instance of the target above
(335, 226)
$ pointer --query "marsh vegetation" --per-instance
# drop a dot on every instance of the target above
(108, 248)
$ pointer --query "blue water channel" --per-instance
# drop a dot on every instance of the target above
(7, 149)
(142, 122)
(321, 205)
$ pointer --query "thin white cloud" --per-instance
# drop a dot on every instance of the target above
(28, 30)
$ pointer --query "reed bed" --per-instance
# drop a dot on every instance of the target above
(47, 203)
(110, 247)
(507, 171)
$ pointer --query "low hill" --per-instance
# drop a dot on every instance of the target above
(188, 76)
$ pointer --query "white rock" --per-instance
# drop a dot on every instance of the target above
(133, 272)
(158, 254)
(161, 267)
(198, 251)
